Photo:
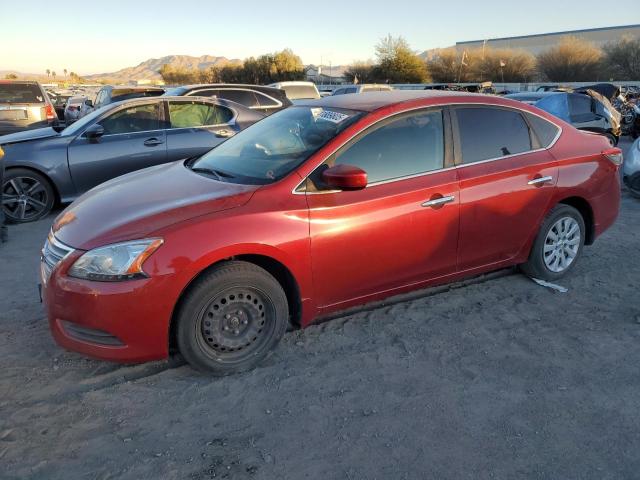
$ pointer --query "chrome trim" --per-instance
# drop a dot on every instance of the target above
(537, 181)
(440, 106)
(438, 201)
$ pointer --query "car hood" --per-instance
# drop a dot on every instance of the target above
(140, 203)
(28, 135)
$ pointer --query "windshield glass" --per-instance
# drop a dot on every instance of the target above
(273, 147)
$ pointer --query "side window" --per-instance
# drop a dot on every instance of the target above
(339, 91)
(580, 108)
(350, 90)
(99, 97)
(243, 97)
(203, 93)
(544, 130)
(266, 101)
(406, 145)
(139, 118)
(487, 133)
(195, 114)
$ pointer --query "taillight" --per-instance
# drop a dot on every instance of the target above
(613, 154)
(50, 112)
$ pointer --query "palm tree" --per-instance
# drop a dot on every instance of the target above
(53, 74)
(48, 72)
(65, 73)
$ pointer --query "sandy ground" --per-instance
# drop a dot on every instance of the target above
(499, 379)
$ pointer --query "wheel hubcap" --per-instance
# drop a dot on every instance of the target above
(24, 198)
(234, 323)
(561, 244)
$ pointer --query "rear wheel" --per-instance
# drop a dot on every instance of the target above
(613, 141)
(558, 245)
(26, 195)
(231, 318)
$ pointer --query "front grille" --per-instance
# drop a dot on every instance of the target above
(52, 254)
(91, 335)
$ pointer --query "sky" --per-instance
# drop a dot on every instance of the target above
(88, 37)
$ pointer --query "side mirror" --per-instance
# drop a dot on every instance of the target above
(345, 177)
(94, 132)
(88, 103)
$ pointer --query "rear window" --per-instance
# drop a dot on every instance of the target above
(300, 92)
(20, 93)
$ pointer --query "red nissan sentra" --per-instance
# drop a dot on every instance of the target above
(325, 205)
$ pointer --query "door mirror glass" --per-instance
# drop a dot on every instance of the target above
(345, 177)
(94, 132)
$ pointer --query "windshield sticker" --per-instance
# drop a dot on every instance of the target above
(334, 117)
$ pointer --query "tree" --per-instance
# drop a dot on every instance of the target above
(446, 66)
(363, 71)
(502, 65)
(286, 65)
(48, 72)
(65, 73)
(397, 63)
(573, 60)
(53, 74)
(11, 76)
(622, 59)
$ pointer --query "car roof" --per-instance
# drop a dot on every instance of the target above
(370, 101)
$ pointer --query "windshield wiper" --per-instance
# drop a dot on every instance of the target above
(211, 171)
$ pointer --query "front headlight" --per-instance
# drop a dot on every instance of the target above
(112, 263)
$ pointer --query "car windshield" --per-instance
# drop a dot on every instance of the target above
(273, 147)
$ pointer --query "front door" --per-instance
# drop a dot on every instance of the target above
(133, 139)
(506, 180)
(400, 230)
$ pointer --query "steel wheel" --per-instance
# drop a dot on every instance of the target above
(561, 244)
(25, 198)
(235, 323)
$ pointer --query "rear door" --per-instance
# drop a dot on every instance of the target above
(196, 127)
(507, 179)
(133, 139)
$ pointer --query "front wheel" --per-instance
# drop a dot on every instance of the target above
(231, 318)
(558, 245)
(26, 195)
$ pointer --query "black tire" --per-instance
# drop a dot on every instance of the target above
(612, 139)
(27, 196)
(536, 266)
(231, 318)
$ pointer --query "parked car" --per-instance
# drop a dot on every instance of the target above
(326, 205)
(631, 170)
(297, 91)
(365, 87)
(590, 112)
(46, 166)
(110, 94)
(267, 100)
(72, 109)
(24, 105)
(59, 102)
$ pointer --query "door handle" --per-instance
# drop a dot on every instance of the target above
(439, 201)
(152, 142)
(539, 180)
(224, 133)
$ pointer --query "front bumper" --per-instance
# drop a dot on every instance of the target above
(118, 321)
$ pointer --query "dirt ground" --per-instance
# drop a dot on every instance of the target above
(498, 379)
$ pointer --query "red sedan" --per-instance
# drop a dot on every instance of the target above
(322, 206)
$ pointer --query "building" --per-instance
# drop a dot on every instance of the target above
(538, 43)
(326, 74)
